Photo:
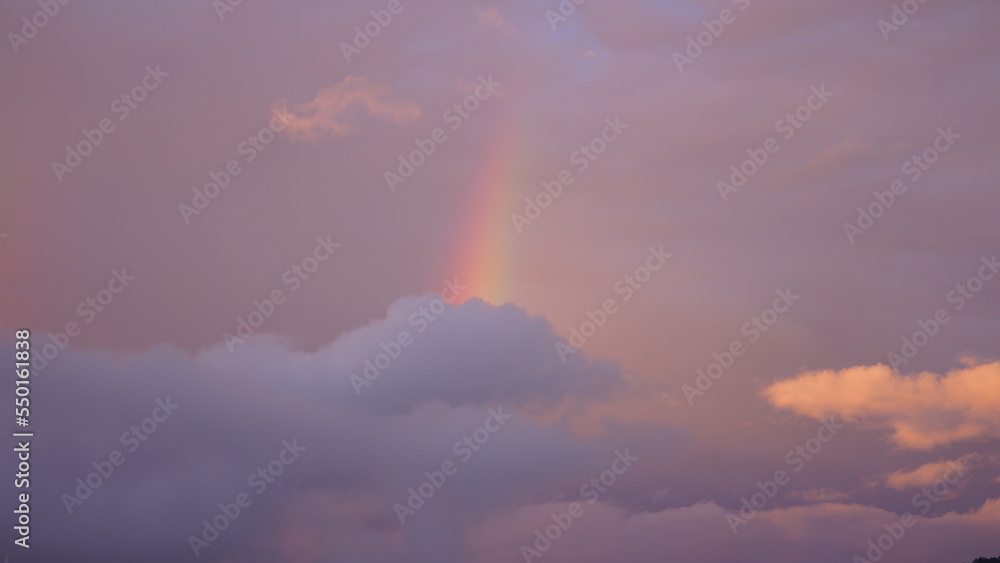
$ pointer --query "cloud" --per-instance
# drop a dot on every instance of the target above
(472, 354)
(362, 453)
(923, 410)
(822, 495)
(815, 532)
(334, 111)
(926, 474)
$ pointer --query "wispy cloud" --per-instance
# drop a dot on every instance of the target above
(335, 110)
(926, 474)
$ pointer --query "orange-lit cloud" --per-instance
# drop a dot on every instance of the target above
(927, 474)
(923, 410)
(334, 111)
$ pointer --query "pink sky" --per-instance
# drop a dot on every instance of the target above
(735, 244)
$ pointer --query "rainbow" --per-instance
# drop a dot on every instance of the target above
(484, 258)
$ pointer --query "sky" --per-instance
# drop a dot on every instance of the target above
(560, 281)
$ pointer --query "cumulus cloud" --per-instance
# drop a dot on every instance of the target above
(335, 109)
(362, 452)
(466, 355)
(923, 410)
